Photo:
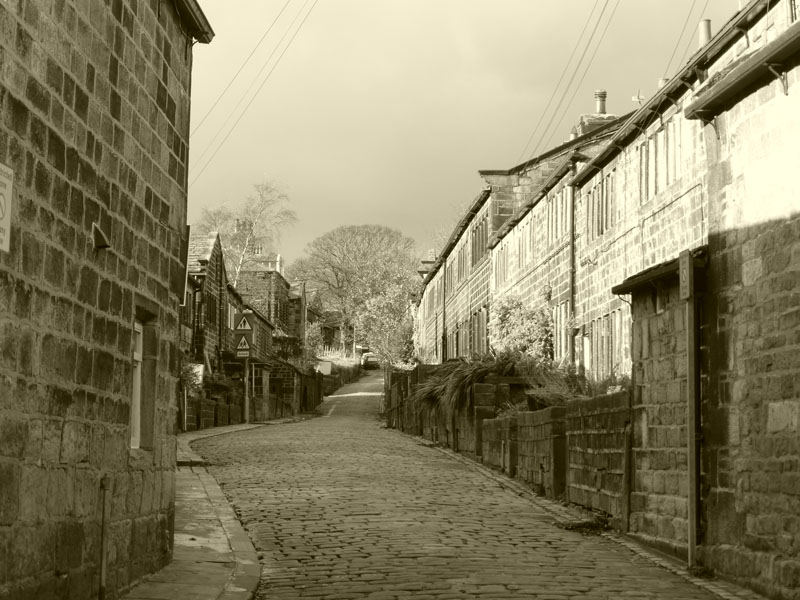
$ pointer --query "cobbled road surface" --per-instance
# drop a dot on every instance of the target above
(341, 509)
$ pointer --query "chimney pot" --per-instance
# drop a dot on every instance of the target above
(662, 82)
(600, 102)
(705, 32)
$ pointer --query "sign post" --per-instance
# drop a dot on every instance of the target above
(244, 342)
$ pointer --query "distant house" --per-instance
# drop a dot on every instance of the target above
(206, 268)
(266, 288)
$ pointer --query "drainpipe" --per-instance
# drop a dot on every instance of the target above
(444, 310)
(571, 200)
(687, 292)
(105, 487)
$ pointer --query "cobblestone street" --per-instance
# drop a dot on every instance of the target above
(340, 508)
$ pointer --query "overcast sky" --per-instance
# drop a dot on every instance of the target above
(383, 111)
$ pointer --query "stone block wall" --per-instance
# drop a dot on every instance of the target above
(542, 450)
(207, 413)
(499, 444)
(220, 414)
(659, 505)
(94, 127)
(595, 432)
(751, 408)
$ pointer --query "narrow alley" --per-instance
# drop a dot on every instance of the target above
(340, 508)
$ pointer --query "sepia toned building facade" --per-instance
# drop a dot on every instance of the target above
(94, 134)
(704, 170)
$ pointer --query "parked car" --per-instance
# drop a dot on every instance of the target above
(369, 360)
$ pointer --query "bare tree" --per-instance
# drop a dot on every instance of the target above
(250, 231)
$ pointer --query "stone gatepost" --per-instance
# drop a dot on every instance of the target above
(510, 449)
(483, 395)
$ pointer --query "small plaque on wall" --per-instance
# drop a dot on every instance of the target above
(6, 194)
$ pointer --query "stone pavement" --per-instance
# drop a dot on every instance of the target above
(213, 558)
(341, 508)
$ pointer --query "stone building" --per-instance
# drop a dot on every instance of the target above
(732, 368)
(512, 239)
(267, 289)
(703, 170)
(209, 305)
(94, 137)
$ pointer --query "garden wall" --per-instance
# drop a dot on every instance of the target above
(596, 448)
(542, 450)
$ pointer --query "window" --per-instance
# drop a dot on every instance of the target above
(480, 238)
(231, 316)
(144, 373)
(136, 392)
(600, 206)
(211, 308)
(652, 168)
(643, 173)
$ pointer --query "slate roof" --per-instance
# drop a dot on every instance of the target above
(201, 245)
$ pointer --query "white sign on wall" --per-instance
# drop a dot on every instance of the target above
(6, 193)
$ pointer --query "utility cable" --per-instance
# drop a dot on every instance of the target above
(572, 78)
(560, 79)
(263, 83)
(680, 37)
(585, 72)
(689, 43)
(232, 113)
(246, 60)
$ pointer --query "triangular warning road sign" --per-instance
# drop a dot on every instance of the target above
(243, 345)
(244, 324)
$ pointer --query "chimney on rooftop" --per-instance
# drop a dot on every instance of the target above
(705, 32)
(600, 102)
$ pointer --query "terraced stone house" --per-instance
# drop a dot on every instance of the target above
(94, 139)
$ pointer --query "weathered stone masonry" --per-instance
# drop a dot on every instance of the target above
(707, 164)
(94, 124)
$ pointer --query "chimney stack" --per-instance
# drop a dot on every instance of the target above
(705, 32)
(600, 102)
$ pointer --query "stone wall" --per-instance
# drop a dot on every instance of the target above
(595, 432)
(751, 408)
(94, 127)
(659, 506)
(542, 450)
(499, 444)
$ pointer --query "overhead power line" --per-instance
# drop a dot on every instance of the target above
(252, 99)
(689, 42)
(560, 79)
(680, 37)
(231, 114)
(585, 71)
(572, 77)
(246, 60)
